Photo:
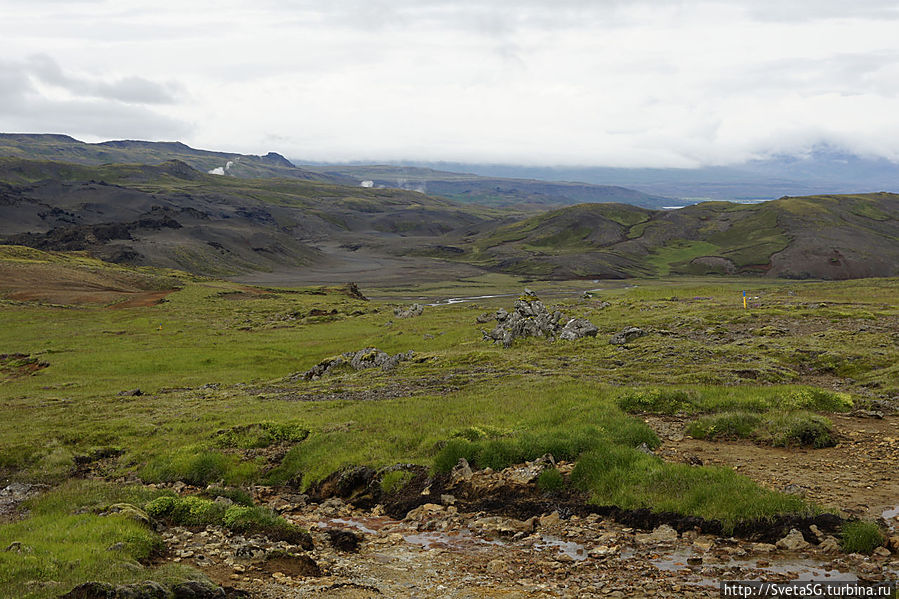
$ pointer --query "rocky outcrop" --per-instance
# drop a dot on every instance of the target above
(370, 357)
(410, 312)
(531, 318)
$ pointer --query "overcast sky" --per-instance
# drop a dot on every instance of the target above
(563, 82)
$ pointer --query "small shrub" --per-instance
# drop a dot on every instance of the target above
(395, 480)
(186, 511)
(550, 480)
(160, 507)
(196, 511)
(658, 401)
(797, 429)
(812, 398)
(729, 425)
(197, 468)
(260, 520)
(861, 537)
(261, 434)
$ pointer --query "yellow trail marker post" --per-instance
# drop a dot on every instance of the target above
(744, 300)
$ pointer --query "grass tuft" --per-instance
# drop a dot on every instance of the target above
(395, 480)
(658, 400)
(861, 537)
(550, 480)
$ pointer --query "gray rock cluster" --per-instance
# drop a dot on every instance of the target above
(410, 312)
(370, 357)
(530, 318)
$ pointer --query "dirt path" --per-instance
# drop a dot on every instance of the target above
(860, 476)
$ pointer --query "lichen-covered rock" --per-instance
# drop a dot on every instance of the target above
(794, 541)
(410, 312)
(577, 328)
(531, 318)
(626, 336)
(370, 357)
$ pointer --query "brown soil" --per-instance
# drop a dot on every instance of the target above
(65, 285)
(858, 476)
(17, 365)
(142, 300)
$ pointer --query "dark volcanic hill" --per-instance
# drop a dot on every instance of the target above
(171, 215)
(828, 237)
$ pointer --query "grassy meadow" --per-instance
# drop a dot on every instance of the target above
(221, 401)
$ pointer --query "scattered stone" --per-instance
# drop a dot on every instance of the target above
(794, 541)
(461, 472)
(410, 312)
(882, 552)
(876, 414)
(131, 393)
(626, 336)
(496, 566)
(483, 318)
(763, 548)
(530, 318)
(829, 545)
(344, 540)
(370, 357)
(550, 520)
(662, 534)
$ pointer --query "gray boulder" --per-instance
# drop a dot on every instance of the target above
(410, 312)
(577, 328)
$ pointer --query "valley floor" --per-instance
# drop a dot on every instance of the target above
(681, 456)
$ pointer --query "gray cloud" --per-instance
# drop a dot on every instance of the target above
(24, 108)
(131, 89)
(623, 82)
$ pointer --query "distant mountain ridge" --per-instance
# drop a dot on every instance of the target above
(497, 192)
(62, 148)
(491, 191)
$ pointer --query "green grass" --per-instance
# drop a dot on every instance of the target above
(550, 480)
(394, 481)
(192, 510)
(219, 388)
(625, 477)
(65, 541)
(728, 425)
(780, 429)
(859, 536)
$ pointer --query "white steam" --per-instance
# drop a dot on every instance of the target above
(222, 170)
